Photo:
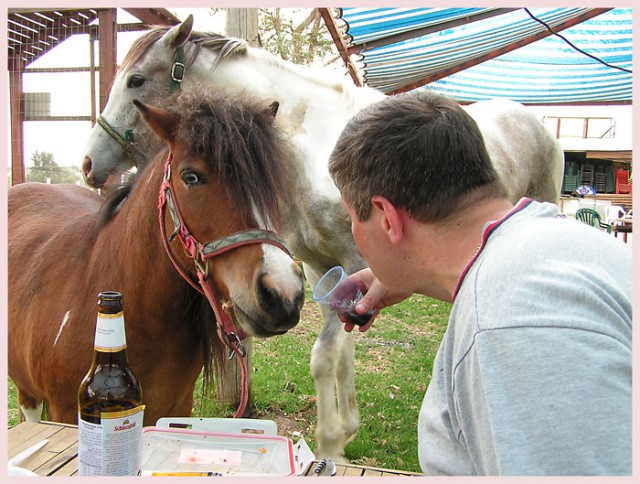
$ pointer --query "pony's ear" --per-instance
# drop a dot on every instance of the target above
(178, 34)
(163, 122)
(273, 108)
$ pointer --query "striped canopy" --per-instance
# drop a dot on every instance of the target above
(472, 54)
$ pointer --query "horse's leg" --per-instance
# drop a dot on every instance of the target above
(346, 386)
(30, 407)
(332, 361)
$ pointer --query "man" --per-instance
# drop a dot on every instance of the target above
(533, 376)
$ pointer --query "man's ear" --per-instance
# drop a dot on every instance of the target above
(390, 217)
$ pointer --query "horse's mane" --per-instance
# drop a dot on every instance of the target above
(225, 46)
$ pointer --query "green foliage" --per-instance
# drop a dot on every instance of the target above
(291, 35)
(46, 170)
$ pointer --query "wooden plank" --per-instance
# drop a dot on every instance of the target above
(27, 434)
(64, 448)
(371, 473)
(61, 449)
(351, 471)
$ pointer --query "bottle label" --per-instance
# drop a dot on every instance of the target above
(110, 335)
(113, 447)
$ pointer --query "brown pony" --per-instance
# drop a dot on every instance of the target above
(224, 175)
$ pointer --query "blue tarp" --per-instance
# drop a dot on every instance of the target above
(547, 71)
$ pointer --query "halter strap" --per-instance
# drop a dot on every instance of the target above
(126, 141)
(123, 140)
(201, 253)
(177, 70)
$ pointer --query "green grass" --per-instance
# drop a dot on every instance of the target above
(393, 368)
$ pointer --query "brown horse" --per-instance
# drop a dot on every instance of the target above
(224, 175)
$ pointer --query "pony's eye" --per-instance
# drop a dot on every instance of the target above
(190, 178)
(135, 81)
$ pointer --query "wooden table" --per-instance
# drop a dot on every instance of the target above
(622, 226)
(59, 456)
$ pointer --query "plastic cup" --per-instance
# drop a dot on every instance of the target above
(338, 291)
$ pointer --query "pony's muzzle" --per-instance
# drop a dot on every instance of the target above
(283, 309)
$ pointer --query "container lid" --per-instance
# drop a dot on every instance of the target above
(168, 451)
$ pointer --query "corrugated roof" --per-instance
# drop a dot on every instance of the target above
(402, 49)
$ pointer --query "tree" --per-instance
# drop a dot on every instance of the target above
(46, 170)
(294, 37)
(298, 35)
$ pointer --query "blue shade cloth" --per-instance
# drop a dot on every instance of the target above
(548, 71)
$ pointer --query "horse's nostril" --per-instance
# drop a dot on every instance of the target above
(86, 166)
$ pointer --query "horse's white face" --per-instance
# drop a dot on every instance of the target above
(148, 80)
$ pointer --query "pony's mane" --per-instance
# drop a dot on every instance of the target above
(238, 139)
(114, 200)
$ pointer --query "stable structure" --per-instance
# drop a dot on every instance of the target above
(34, 32)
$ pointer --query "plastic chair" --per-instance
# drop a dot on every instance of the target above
(622, 181)
(586, 174)
(613, 213)
(591, 217)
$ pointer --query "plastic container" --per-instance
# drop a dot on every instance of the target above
(185, 452)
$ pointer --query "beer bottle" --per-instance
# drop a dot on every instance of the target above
(110, 409)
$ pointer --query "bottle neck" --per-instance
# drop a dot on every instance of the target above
(110, 335)
(110, 342)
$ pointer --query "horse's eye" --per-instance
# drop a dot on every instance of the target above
(135, 81)
(190, 178)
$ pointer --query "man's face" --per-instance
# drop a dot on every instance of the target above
(367, 236)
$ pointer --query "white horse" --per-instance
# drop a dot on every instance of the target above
(314, 107)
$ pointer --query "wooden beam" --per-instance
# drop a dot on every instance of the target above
(334, 31)
(107, 52)
(242, 23)
(154, 16)
(498, 52)
(16, 100)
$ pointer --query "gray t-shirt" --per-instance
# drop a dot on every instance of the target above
(533, 376)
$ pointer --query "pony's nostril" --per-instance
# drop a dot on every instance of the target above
(284, 309)
(270, 297)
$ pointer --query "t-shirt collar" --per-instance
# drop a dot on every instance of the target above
(488, 230)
